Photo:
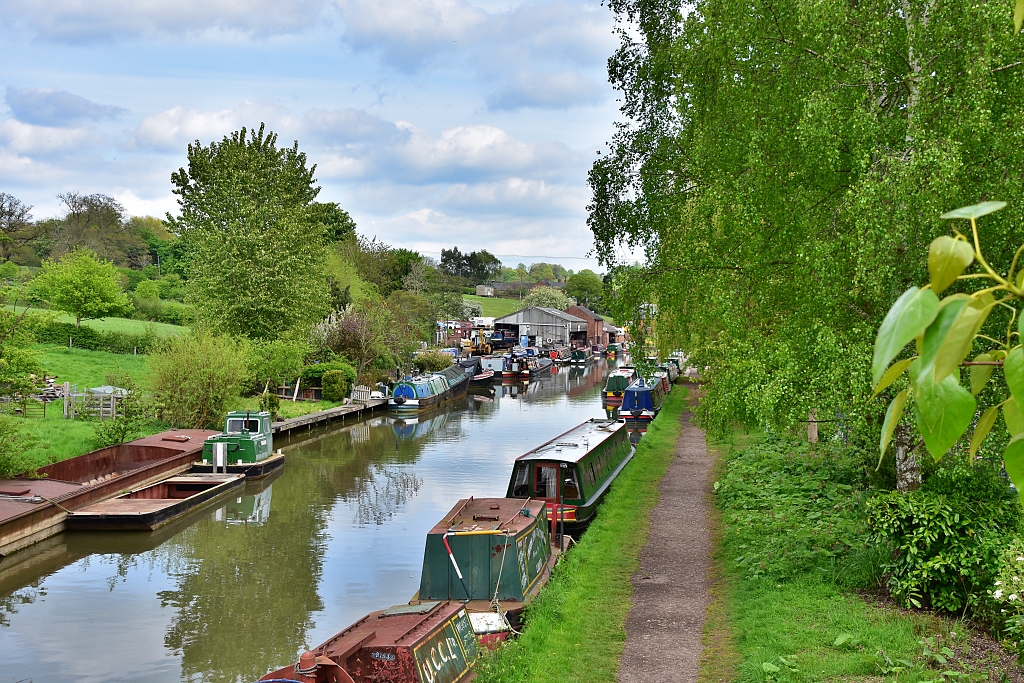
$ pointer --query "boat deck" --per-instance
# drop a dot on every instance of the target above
(575, 443)
(474, 515)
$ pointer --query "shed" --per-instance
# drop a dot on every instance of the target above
(484, 290)
(544, 326)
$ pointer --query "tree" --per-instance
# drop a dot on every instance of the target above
(96, 222)
(548, 297)
(82, 286)
(378, 263)
(194, 375)
(253, 255)
(477, 267)
(270, 362)
(586, 287)
(781, 167)
(336, 221)
(369, 333)
(16, 228)
(14, 442)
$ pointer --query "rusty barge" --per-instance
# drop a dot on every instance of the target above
(32, 509)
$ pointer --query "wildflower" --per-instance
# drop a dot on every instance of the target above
(998, 594)
(999, 583)
(1013, 596)
(1020, 559)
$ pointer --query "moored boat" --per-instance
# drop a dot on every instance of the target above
(427, 642)
(533, 367)
(615, 386)
(642, 401)
(582, 356)
(246, 446)
(560, 355)
(488, 550)
(426, 391)
(573, 472)
(478, 376)
(612, 350)
(155, 505)
(598, 349)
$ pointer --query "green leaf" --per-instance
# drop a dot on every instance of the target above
(769, 668)
(959, 339)
(984, 426)
(935, 335)
(892, 417)
(1013, 370)
(1018, 16)
(894, 371)
(980, 374)
(975, 210)
(943, 409)
(912, 313)
(1013, 461)
(1012, 417)
(947, 259)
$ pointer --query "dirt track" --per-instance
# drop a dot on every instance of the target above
(670, 590)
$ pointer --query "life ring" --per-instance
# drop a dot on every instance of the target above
(549, 341)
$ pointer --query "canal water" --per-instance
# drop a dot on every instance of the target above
(239, 589)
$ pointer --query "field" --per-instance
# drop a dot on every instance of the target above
(116, 324)
(492, 306)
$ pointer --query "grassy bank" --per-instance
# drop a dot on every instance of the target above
(493, 307)
(796, 587)
(126, 325)
(575, 630)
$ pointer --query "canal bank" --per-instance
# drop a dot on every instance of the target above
(576, 629)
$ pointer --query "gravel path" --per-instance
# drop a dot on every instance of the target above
(670, 590)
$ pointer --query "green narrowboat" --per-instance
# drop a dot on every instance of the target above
(615, 386)
(486, 549)
(573, 472)
(246, 446)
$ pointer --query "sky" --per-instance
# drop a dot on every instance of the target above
(435, 123)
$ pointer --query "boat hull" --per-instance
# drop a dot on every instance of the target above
(252, 470)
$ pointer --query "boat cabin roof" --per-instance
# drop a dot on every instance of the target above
(490, 514)
(396, 626)
(576, 443)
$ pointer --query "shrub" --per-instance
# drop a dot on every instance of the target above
(175, 313)
(147, 290)
(335, 385)
(317, 370)
(432, 361)
(14, 443)
(194, 375)
(270, 403)
(95, 340)
(946, 540)
(134, 412)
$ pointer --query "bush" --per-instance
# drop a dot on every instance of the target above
(792, 509)
(95, 340)
(432, 361)
(335, 385)
(147, 290)
(134, 413)
(175, 313)
(193, 377)
(946, 540)
(14, 443)
(270, 403)
(317, 370)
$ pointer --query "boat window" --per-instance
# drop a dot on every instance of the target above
(546, 482)
(521, 486)
(593, 475)
(236, 425)
(571, 487)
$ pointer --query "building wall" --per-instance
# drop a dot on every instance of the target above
(595, 328)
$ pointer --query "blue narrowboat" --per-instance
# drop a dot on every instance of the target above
(642, 401)
(427, 391)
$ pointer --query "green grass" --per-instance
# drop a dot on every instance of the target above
(59, 439)
(575, 629)
(790, 561)
(90, 368)
(116, 324)
(493, 307)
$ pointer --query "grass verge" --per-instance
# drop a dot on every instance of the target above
(493, 307)
(788, 601)
(115, 324)
(575, 629)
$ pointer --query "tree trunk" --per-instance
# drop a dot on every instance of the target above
(908, 468)
(78, 322)
(812, 427)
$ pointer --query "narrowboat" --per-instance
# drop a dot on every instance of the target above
(561, 355)
(427, 391)
(642, 401)
(155, 505)
(615, 386)
(246, 446)
(478, 376)
(582, 356)
(531, 367)
(495, 364)
(662, 376)
(486, 550)
(573, 472)
(671, 369)
(598, 349)
(425, 642)
(612, 350)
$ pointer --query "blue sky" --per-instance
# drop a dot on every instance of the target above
(434, 122)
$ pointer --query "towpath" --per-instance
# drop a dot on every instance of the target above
(671, 588)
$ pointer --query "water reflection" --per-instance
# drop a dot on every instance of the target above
(229, 592)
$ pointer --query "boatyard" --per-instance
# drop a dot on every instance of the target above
(351, 510)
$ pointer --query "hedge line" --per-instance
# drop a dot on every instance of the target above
(95, 340)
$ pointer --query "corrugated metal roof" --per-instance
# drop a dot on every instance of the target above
(528, 315)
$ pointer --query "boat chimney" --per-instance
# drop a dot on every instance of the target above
(220, 456)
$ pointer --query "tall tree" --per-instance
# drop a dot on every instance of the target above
(784, 165)
(16, 227)
(586, 287)
(254, 258)
(81, 285)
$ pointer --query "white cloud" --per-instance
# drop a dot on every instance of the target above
(138, 206)
(55, 107)
(99, 20)
(546, 91)
(24, 138)
(175, 128)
